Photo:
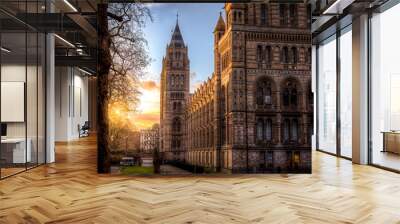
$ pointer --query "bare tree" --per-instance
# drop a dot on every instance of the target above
(103, 68)
(121, 60)
(128, 51)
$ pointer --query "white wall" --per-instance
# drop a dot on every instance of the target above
(61, 103)
(71, 102)
(80, 112)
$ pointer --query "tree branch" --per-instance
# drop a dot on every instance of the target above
(115, 17)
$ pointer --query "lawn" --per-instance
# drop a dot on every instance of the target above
(136, 170)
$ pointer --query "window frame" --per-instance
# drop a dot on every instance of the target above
(333, 37)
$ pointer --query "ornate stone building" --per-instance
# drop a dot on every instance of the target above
(255, 112)
(174, 93)
(150, 139)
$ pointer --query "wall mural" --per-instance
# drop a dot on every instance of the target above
(207, 88)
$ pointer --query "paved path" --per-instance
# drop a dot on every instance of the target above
(173, 170)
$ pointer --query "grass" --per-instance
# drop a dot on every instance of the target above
(127, 170)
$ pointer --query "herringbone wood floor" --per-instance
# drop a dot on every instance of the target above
(70, 191)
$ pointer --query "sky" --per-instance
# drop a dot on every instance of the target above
(196, 22)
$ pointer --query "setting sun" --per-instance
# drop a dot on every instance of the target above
(149, 106)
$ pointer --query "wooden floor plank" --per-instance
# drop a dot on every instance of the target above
(70, 191)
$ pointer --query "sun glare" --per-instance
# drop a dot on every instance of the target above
(149, 108)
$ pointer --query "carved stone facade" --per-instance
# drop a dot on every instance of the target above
(255, 112)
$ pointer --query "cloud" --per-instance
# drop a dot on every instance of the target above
(150, 85)
(146, 120)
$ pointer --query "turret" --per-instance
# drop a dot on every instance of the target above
(219, 29)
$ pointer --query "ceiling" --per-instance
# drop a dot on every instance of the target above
(73, 21)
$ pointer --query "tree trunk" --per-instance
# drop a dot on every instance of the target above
(103, 68)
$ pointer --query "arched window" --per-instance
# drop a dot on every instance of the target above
(290, 130)
(286, 131)
(294, 130)
(294, 55)
(267, 95)
(309, 56)
(290, 94)
(260, 127)
(268, 129)
(263, 13)
(259, 95)
(259, 53)
(293, 14)
(286, 97)
(285, 55)
(293, 97)
(264, 93)
(268, 54)
(282, 13)
(176, 125)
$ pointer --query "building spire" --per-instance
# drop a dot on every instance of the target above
(177, 39)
